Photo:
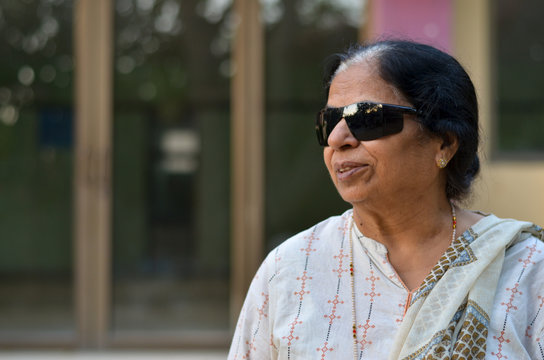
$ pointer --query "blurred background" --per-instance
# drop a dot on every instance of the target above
(153, 151)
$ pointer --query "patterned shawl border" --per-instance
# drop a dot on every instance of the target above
(461, 254)
(419, 354)
(469, 307)
(479, 313)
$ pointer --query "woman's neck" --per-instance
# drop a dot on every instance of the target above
(415, 234)
(405, 222)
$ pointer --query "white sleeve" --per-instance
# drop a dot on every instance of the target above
(252, 337)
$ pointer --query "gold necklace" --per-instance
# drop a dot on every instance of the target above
(352, 276)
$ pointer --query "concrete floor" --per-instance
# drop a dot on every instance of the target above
(113, 355)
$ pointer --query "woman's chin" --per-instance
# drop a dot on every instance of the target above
(353, 197)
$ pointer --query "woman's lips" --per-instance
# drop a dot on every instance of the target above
(346, 170)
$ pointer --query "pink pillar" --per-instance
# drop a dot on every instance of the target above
(425, 21)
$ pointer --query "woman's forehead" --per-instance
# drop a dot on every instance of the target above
(362, 82)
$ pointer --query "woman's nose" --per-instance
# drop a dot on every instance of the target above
(341, 136)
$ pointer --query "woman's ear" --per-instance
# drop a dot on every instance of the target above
(448, 148)
(450, 144)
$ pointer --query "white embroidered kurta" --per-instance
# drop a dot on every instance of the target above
(299, 305)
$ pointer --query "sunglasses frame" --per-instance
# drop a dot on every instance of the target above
(379, 120)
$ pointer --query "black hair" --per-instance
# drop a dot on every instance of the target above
(436, 85)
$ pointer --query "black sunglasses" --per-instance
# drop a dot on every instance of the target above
(366, 120)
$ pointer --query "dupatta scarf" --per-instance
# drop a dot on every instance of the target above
(448, 317)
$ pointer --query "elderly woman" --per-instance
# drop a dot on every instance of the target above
(406, 273)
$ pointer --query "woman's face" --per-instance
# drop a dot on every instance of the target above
(391, 168)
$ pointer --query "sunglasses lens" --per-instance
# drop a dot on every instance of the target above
(326, 120)
(320, 129)
(367, 123)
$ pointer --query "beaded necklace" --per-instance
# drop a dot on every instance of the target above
(352, 276)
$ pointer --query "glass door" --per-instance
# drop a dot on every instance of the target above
(171, 169)
(36, 171)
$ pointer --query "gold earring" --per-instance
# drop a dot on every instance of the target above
(441, 163)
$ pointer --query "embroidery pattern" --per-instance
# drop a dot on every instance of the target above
(510, 307)
(371, 295)
(262, 313)
(529, 327)
(340, 270)
(401, 308)
(301, 292)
